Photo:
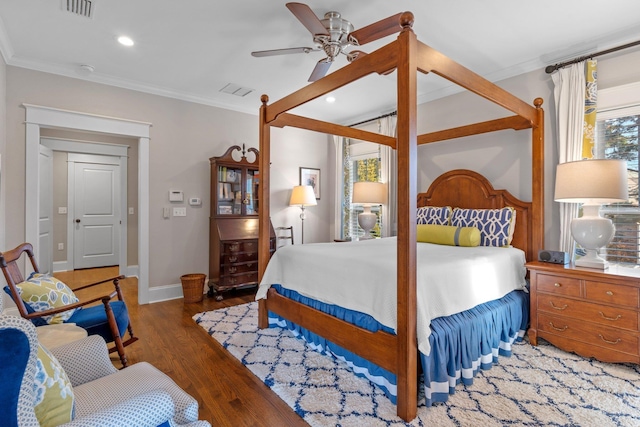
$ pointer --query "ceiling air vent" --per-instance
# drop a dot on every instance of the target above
(79, 7)
(236, 90)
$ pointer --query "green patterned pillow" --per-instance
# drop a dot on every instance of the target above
(54, 399)
(43, 292)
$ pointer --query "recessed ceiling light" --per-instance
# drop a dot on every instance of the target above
(85, 69)
(330, 99)
(124, 40)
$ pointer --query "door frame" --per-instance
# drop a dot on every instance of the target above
(38, 117)
(85, 152)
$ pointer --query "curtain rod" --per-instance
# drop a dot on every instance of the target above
(394, 113)
(551, 68)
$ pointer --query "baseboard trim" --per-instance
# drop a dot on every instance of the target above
(166, 293)
(60, 266)
(132, 271)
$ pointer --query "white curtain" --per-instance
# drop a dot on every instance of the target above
(569, 93)
(389, 175)
(338, 142)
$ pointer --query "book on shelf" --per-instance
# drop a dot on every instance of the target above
(225, 210)
(224, 191)
(222, 173)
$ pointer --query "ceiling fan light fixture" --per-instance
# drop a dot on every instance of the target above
(334, 35)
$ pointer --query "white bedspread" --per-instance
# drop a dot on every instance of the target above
(361, 276)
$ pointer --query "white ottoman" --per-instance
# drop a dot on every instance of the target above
(51, 336)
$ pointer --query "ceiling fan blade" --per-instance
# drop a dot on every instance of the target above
(287, 51)
(377, 30)
(355, 54)
(320, 70)
(309, 19)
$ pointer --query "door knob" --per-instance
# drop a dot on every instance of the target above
(78, 220)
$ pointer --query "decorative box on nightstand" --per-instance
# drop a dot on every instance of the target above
(593, 313)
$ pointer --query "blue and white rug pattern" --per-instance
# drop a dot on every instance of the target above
(536, 386)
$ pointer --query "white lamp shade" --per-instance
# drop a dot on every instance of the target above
(374, 193)
(303, 195)
(592, 181)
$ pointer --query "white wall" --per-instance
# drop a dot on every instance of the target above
(183, 137)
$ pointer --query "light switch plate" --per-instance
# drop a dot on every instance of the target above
(179, 211)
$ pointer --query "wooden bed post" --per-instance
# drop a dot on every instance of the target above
(537, 166)
(263, 207)
(407, 153)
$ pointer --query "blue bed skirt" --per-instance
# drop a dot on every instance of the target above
(461, 344)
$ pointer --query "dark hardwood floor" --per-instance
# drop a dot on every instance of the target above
(228, 393)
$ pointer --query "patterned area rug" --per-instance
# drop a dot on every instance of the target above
(535, 386)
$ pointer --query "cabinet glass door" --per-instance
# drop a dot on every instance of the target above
(229, 191)
(251, 192)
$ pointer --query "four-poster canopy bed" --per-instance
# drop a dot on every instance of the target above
(398, 352)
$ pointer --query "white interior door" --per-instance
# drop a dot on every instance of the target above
(96, 219)
(44, 256)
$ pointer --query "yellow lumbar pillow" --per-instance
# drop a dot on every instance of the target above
(448, 235)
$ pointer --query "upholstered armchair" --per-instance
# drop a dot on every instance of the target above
(78, 382)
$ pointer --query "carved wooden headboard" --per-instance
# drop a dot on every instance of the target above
(468, 189)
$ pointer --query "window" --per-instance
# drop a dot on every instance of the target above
(617, 132)
(361, 163)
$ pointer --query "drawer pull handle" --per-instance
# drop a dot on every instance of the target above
(233, 258)
(609, 342)
(234, 269)
(564, 328)
(609, 293)
(557, 308)
(557, 285)
(618, 317)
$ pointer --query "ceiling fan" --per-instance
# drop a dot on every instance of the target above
(334, 35)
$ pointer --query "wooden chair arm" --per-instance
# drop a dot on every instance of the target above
(113, 279)
(104, 299)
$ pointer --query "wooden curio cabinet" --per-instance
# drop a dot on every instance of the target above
(233, 222)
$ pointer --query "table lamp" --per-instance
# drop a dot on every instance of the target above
(593, 183)
(303, 196)
(367, 194)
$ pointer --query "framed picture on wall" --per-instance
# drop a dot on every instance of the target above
(311, 176)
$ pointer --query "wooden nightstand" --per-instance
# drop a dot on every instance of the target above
(593, 313)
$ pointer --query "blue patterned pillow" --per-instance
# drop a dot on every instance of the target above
(496, 225)
(434, 215)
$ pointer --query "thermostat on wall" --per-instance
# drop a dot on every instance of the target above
(195, 201)
(176, 196)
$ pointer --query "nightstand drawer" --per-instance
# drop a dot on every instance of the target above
(576, 329)
(558, 285)
(612, 294)
(584, 311)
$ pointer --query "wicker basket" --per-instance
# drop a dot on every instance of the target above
(193, 287)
